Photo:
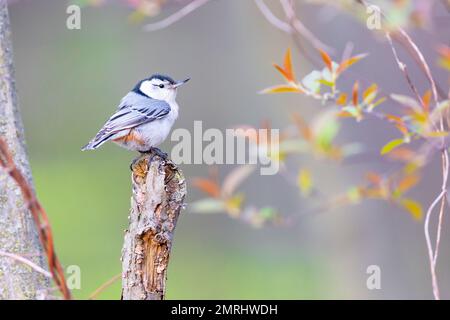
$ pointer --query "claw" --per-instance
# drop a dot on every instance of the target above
(158, 152)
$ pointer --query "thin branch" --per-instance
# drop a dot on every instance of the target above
(300, 28)
(195, 4)
(439, 230)
(403, 68)
(39, 215)
(27, 262)
(431, 254)
(104, 286)
(285, 27)
(423, 63)
(272, 19)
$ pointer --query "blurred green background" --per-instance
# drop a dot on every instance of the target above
(70, 81)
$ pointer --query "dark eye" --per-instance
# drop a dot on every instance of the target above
(161, 86)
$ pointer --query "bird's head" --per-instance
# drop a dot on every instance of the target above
(159, 87)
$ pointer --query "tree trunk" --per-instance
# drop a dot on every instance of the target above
(159, 190)
(18, 233)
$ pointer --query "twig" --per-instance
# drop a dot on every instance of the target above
(40, 218)
(104, 286)
(300, 28)
(285, 27)
(439, 230)
(195, 4)
(430, 247)
(27, 262)
(272, 19)
(433, 255)
(423, 63)
(403, 68)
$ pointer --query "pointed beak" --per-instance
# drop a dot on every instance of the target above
(179, 83)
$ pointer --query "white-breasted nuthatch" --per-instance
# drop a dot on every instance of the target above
(144, 117)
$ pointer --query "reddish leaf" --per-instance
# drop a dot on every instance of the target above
(374, 178)
(327, 60)
(355, 93)
(208, 186)
(287, 70)
(342, 100)
(288, 65)
(444, 51)
(401, 154)
(407, 183)
(347, 63)
(426, 101)
(303, 127)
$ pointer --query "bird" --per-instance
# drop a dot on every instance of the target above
(144, 117)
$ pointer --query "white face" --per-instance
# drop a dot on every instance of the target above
(158, 89)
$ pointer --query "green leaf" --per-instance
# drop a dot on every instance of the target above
(352, 110)
(267, 213)
(305, 182)
(354, 195)
(325, 128)
(391, 145)
(413, 207)
(207, 205)
(326, 82)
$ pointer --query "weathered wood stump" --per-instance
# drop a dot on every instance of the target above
(159, 189)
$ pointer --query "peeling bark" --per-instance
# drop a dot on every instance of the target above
(159, 189)
(18, 233)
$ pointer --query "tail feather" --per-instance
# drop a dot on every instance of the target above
(97, 142)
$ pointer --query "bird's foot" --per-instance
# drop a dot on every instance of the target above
(160, 153)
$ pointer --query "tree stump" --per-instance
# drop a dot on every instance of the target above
(159, 189)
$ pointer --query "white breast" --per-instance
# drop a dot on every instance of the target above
(155, 132)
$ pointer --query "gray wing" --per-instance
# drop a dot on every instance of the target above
(133, 111)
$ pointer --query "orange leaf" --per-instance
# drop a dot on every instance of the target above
(282, 89)
(369, 92)
(399, 124)
(327, 60)
(401, 154)
(407, 183)
(303, 127)
(288, 65)
(342, 100)
(347, 63)
(355, 93)
(282, 71)
(287, 70)
(402, 128)
(373, 178)
(344, 114)
(444, 51)
(208, 186)
(393, 118)
(426, 101)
